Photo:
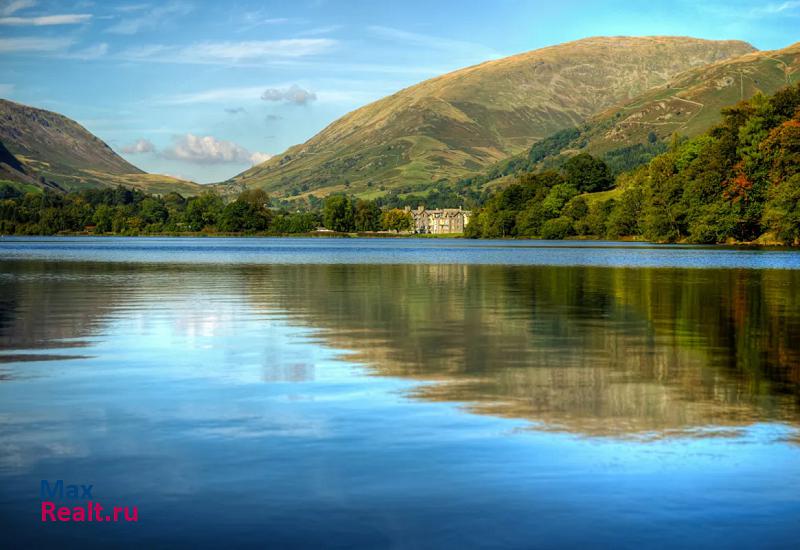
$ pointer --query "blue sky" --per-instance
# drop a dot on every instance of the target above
(203, 89)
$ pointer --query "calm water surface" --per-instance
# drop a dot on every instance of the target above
(402, 393)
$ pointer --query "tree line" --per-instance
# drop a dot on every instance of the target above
(124, 211)
(736, 183)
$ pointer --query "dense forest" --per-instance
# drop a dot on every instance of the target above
(738, 182)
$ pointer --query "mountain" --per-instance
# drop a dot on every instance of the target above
(464, 121)
(689, 104)
(46, 149)
(12, 170)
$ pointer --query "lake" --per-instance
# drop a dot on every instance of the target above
(408, 393)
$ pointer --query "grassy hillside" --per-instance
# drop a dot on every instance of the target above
(14, 173)
(689, 104)
(464, 121)
(47, 149)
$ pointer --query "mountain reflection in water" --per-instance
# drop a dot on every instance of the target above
(644, 352)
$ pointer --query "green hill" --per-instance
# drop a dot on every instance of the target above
(46, 149)
(462, 122)
(689, 104)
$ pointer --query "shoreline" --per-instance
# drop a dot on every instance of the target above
(765, 244)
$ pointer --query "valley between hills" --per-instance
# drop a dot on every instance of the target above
(538, 144)
(618, 91)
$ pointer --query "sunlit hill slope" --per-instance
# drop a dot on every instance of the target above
(466, 120)
(687, 105)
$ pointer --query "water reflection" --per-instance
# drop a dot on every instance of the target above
(323, 405)
(597, 351)
(593, 350)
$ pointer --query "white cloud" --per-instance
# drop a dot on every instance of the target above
(34, 44)
(148, 17)
(140, 146)
(210, 150)
(258, 158)
(294, 94)
(9, 8)
(6, 89)
(47, 20)
(253, 51)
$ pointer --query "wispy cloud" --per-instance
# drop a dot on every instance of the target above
(12, 7)
(51, 47)
(217, 95)
(260, 49)
(252, 51)
(92, 52)
(128, 8)
(431, 42)
(779, 8)
(34, 44)
(6, 89)
(293, 94)
(235, 110)
(255, 19)
(790, 8)
(317, 31)
(47, 20)
(147, 17)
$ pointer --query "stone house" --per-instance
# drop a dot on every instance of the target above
(437, 222)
